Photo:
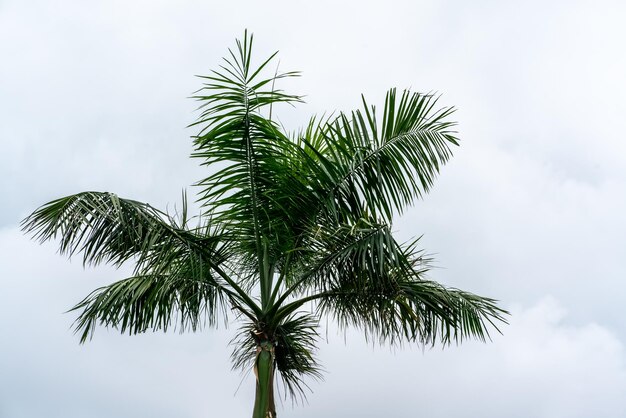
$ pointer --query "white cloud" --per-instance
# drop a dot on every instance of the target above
(543, 366)
(93, 97)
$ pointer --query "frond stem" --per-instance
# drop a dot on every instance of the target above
(241, 294)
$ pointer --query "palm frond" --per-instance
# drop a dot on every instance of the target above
(296, 344)
(381, 167)
(247, 194)
(418, 311)
(364, 278)
(106, 228)
(359, 254)
(155, 302)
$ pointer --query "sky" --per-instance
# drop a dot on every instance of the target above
(530, 211)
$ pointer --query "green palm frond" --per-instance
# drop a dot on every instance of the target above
(295, 344)
(235, 135)
(365, 279)
(360, 254)
(247, 194)
(381, 167)
(153, 302)
(106, 228)
(419, 311)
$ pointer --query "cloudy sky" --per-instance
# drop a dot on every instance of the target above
(93, 96)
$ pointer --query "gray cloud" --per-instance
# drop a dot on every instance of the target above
(530, 210)
(541, 367)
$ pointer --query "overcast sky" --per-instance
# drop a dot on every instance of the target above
(93, 96)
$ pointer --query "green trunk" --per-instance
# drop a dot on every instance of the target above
(264, 370)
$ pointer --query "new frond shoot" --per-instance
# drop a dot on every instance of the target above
(295, 228)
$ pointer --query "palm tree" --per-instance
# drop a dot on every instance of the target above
(295, 228)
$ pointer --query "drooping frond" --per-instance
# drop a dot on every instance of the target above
(106, 228)
(365, 279)
(153, 302)
(295, 343)
(420, 311)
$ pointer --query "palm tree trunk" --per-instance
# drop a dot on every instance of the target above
(264, 371)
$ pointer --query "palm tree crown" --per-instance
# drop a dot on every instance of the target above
(295, 227)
